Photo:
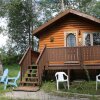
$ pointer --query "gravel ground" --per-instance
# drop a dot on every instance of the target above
(39, 95)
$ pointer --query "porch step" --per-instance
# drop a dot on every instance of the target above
(32, 74)
(32, 67)
(28, 82)
(25, 83)
(32, 70)
(31, 79)
(27, 88)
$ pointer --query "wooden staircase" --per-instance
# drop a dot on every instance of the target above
(30, 80)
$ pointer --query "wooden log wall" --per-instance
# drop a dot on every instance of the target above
(70, 23)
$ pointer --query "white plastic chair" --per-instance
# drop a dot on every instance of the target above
(97, 80)
(60, 78)
(12, 81)
(4, 76)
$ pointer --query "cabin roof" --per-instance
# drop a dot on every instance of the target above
(62, 14)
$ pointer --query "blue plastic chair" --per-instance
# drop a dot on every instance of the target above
(4, 76)
(12, 81)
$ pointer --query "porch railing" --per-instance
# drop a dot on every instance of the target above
(41, 63)
(81, 54)
(28, 58)
(63, 54)
(70, 55)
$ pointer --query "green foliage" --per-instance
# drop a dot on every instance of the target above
(96, 9)
(49, 86)
(9, 57)
(19, 24)
(79, 87)
(2, 8)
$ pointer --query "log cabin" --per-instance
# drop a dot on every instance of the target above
(69, 42)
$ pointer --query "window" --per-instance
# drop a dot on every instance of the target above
(91, 38)
(96, 38)
(71, 40)
(87, 39)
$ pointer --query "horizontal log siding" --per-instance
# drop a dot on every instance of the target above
(57, 31)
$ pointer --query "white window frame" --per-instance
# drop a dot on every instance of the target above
(66, 33)
(91, 37)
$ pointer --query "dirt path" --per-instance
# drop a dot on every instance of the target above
(40, 95)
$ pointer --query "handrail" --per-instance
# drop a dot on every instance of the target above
(41, 63)
(24, 55)
(40, 55)
(25, 61)
(28, 58)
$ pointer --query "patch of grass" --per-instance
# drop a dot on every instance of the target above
(49, 86)
(4, 98)
(81, 88)
(13, 71)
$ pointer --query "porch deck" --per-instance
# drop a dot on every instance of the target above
(62, 58)
(67, 58)
(71, 58)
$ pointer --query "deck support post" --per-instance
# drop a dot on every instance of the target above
(69, 75)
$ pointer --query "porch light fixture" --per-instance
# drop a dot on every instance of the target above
(79, 33)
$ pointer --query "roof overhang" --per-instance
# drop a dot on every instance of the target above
(62, 14)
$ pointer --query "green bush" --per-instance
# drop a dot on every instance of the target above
(13, 59)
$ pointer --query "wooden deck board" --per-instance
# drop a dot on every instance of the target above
(64, 67)
(27, 88)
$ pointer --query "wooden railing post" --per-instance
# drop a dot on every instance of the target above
(81, 56)
(41, 62)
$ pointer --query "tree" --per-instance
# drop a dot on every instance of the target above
(20, 17)
(2, 8)
(96, 9)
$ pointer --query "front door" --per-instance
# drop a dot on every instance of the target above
(71, 40)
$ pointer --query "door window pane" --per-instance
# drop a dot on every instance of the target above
(71, 41)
